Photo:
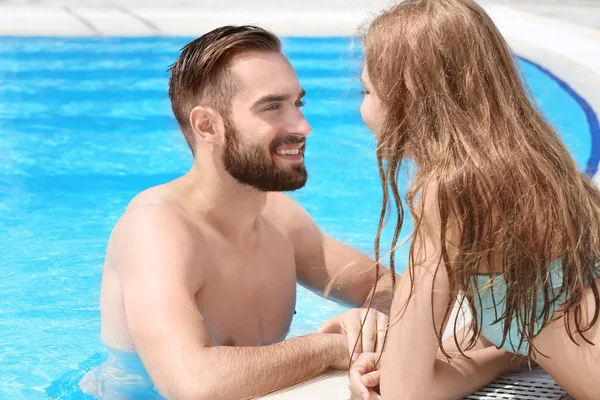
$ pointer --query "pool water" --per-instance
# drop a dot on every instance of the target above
(85, 124)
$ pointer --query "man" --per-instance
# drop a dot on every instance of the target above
(200, 273)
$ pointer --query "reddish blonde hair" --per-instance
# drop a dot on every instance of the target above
(454, 97)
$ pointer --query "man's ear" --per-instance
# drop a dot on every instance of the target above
(207, 125)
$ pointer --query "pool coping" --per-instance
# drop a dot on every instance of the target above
(570, 53)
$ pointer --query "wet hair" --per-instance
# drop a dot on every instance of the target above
(510, 197)
(202, 72)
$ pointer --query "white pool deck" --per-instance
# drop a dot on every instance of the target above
(562, 36)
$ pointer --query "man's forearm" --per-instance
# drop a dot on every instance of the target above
(245, 372)
(382, 296)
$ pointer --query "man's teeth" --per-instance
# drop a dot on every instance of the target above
(289, 152)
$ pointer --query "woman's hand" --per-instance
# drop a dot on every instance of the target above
(364, 377)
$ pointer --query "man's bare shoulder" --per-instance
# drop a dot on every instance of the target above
(155, 227)
(288, 215)
(285, 211)
(155, 209)
(159, 196)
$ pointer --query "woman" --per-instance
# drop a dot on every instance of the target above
(503, 219)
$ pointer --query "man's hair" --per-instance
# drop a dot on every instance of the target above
(202, 72)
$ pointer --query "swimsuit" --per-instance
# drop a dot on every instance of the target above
(493, 292)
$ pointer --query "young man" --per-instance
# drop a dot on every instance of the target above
(200, 273)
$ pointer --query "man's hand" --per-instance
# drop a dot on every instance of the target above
(349, 323)
(364, 377)
(342, 360)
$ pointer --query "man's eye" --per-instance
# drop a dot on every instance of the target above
(363, 92)
(273, 107)
(301, 103)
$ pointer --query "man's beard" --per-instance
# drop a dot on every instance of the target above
(249, 165)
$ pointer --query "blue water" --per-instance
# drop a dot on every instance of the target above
(85, 124)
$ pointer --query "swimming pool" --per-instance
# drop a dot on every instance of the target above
(85, 124)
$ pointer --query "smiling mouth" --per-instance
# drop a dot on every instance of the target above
(288, 152)
(295, 150)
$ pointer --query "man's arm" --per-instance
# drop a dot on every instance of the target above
(152, 251)
(351, 274)
(326, 265)
(329, 267)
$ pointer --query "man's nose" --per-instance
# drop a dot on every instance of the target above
(300, 125)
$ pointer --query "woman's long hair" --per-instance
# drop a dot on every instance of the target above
(453, 97)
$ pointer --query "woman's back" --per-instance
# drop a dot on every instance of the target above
(575, 365)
